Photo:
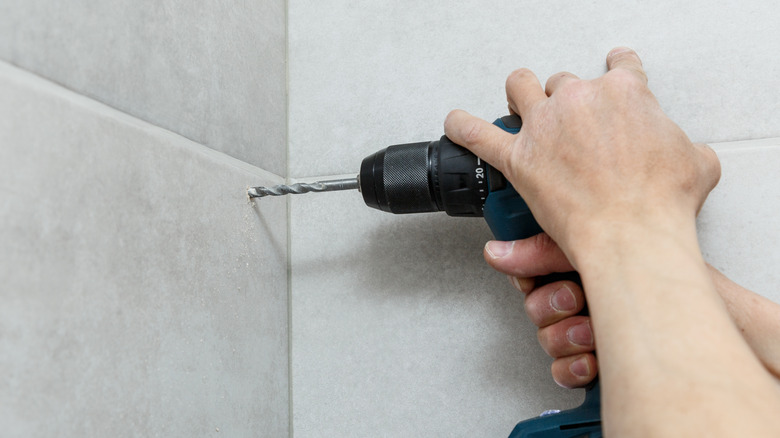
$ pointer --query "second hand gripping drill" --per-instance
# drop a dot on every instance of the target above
(442, 176)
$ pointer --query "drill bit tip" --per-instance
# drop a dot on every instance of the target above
(299, 188)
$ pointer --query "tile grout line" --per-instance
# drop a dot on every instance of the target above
(290, 404)
(725, 146)
(95, 106)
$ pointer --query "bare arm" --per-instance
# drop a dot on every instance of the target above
(756, 317)
(568, 337)
(617, 185)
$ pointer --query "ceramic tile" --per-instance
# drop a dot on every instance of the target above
(143, 295)
(739, 226)
(213, 72)
(369, 74)
(399, 326)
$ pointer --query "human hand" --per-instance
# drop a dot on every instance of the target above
(574, 130)
(567, 336)
(553, 307)
(617, 185)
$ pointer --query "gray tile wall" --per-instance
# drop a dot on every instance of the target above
(213, 72)
(142, 294)
(739, 224)
(163, 311)
(368, 74)
(398, 327)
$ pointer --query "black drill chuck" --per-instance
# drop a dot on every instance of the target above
(429, 176)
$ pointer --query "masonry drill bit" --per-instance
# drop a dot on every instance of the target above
(299, 188)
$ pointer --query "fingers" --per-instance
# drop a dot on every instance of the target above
(558, 80)
(626, 59)
(571, 336)
(563, 334)
(531, 257)
(554, 302)
(484, 139)
(553, 307)
(523, 90)
(575, 371)
(523, 284)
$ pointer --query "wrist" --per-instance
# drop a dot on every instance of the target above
(598, 241)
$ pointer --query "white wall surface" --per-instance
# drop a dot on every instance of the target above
(398, 327)
(367, 74)
(144, 296)
(212, 71)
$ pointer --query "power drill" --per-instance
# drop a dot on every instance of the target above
(442, 176)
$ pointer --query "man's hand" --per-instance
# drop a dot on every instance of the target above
(568, 338)
(593, 153)
(563, 334)
(617, 185)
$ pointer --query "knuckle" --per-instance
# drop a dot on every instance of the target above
(577, 92)
(627, 79)
(543, 336)
(712, 166)
(539, 312)
(561, 75)
(561, 374)
(532, 310)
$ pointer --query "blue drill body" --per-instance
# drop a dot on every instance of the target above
(509, 218)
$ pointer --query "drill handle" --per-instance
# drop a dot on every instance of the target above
(509, 218)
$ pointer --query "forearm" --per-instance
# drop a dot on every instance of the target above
(757, 318)
(653, 306)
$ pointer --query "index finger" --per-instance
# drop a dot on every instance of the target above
(484, 139)
(627, 59)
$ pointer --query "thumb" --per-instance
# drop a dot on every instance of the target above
(531, 257)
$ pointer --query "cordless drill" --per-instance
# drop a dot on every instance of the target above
(442, 176)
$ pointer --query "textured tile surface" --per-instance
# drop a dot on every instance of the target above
(142, 295)
(368, 74)
(739, 225)
(211, 71)
(399, 326)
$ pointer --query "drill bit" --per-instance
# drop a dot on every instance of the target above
(299, 188)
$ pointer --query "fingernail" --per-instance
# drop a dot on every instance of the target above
(580, 367)
(580, 335)
(523, 284)
(563, 299)
(617, 51)
(498, 249)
